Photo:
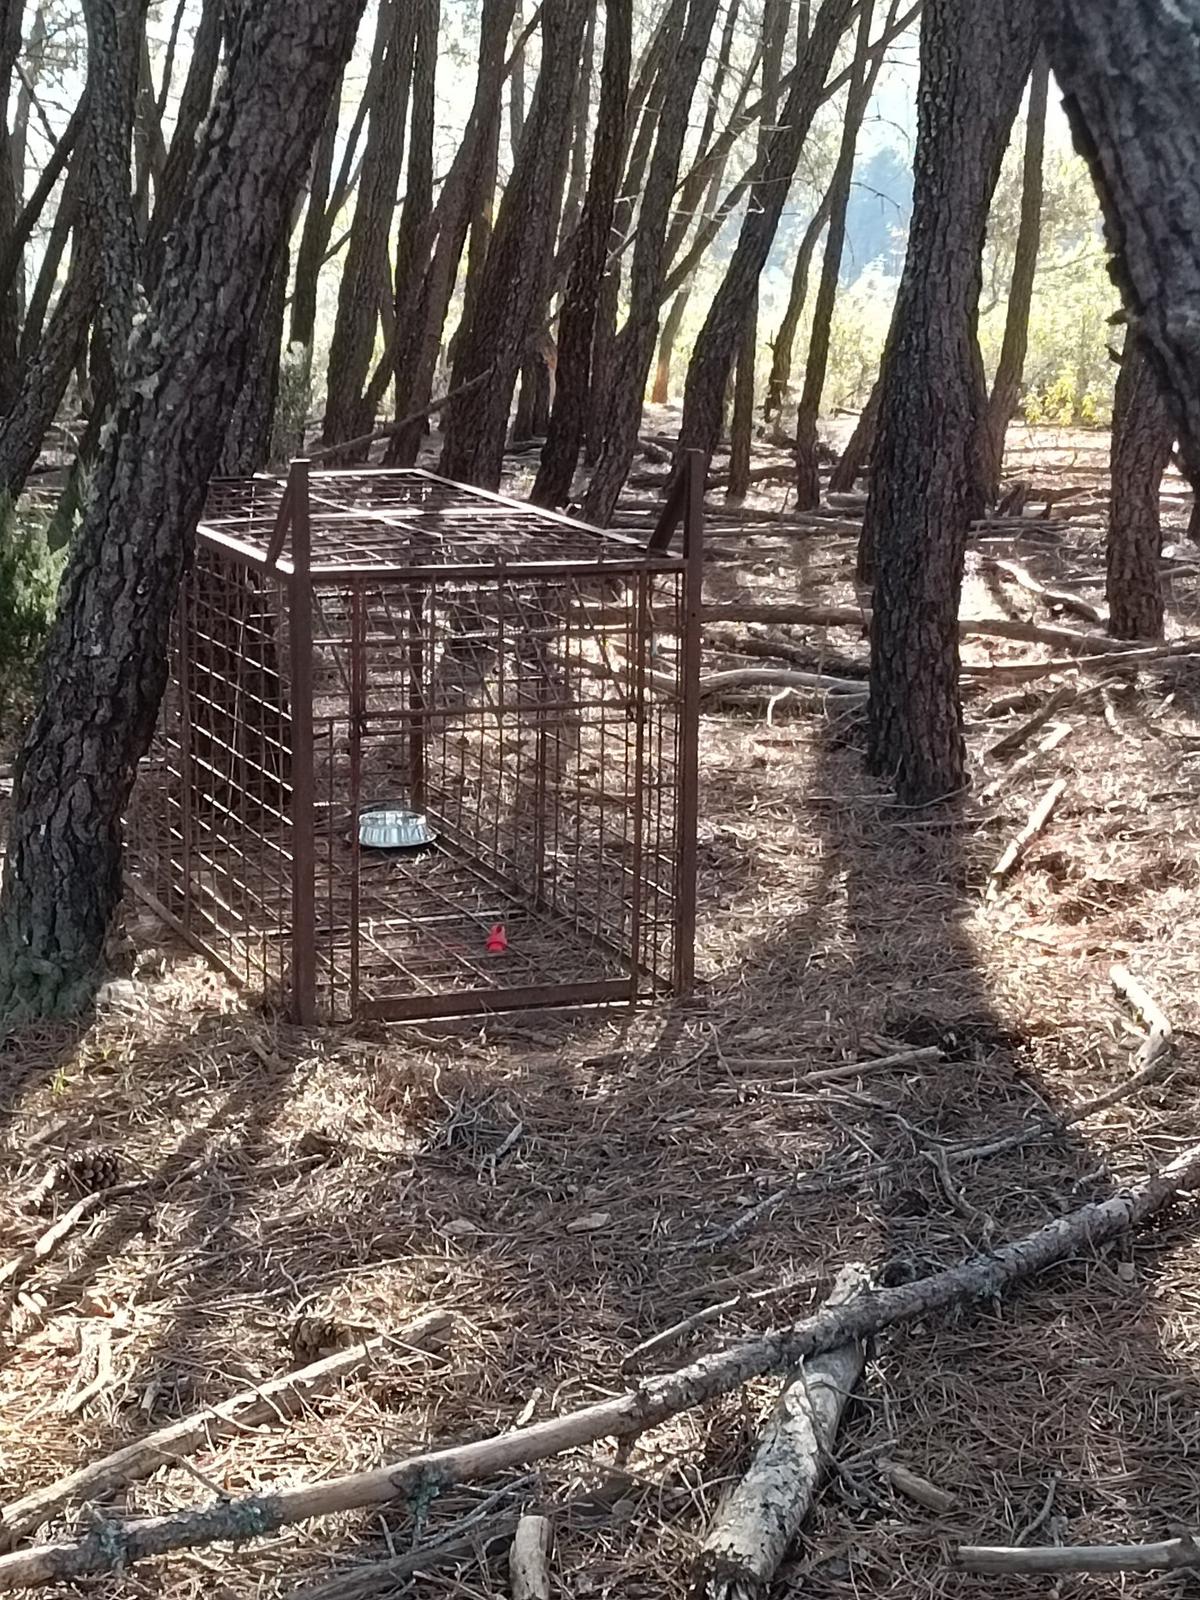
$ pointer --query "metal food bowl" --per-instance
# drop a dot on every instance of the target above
(393, 828)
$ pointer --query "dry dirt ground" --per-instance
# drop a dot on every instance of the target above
(565, 1186)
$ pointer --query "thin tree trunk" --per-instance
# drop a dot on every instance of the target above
(568, 416)
(45, 376)
(515, 273)
(578, 172)
(781, 350)
(702, 187)
(421, 322)
(776, 15)
(314, 237)
(853, 461)
(516, 85)
(975, 57)
(1130, 76)
(365, 275)
(11, 17)
(741, 426)
(105, 664)
(1006, 388)
(645, 103)
(1142, 437)
(194, 103)
(635, 350)
(808, 476)
(712, 357)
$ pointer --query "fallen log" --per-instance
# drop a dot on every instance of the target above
(116, 1545)
(764, 1511)
(1168, 1554)
(266, 1403)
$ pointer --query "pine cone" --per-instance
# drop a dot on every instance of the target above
(311, 1338)
(79, 1172)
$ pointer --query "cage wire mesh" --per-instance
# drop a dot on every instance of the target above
(522, 683)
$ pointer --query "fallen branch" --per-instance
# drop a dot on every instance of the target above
(1161, 1036)
(1169, 1554)
(1003, 780)
(115, 1545)
(1016, 848)
(913, 1487)
(48, 1243)
(249, 1408)
(1062, 598)
(796, 655)
(759, 1519)
(1011, 742)
(714, 684)
(529, 1559)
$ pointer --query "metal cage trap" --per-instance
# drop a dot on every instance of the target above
(427, 751)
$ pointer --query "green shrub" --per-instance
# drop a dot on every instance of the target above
(29, 574)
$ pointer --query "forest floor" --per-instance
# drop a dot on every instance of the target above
(370, 1174)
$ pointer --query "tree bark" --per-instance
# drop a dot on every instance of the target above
(1130, 77)
(1142, 437)
(924, 481)
(365, 274)
(577, 320)
(515, 272)
(1006, 387)
(516, 85)
(862, 82)
(717, 341)
(635, 349)
(11, 17)
(577, 176)
(194, 103)
(105, 664)
(421, 321)
(247, 447)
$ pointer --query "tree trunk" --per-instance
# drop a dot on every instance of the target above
(365, 274)
(45, 376)
(776, 15)
(635, 349)
(532, 420)
(1130, 77)
(808, 476)
(516, 86)
(785, 339)
(1142, 437)
(105, 665)
(645, 103)
(741, 427)
(247, 447)
(515, 272)
(11, 16)
(712, 357)
(577, 320)
(314, 237)
(975, 56)
(578, 171)
(1006, 387)
(194, 103)
(420, 323)
(855, 457)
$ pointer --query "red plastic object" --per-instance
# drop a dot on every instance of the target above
(497, 940)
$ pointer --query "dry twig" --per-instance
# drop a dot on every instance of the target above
(1171, 1554)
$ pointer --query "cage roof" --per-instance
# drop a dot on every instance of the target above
(404, 519)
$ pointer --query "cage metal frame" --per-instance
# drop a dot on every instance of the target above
(264, 527)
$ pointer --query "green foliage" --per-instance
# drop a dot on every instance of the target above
(29, 574)
(292, 403)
